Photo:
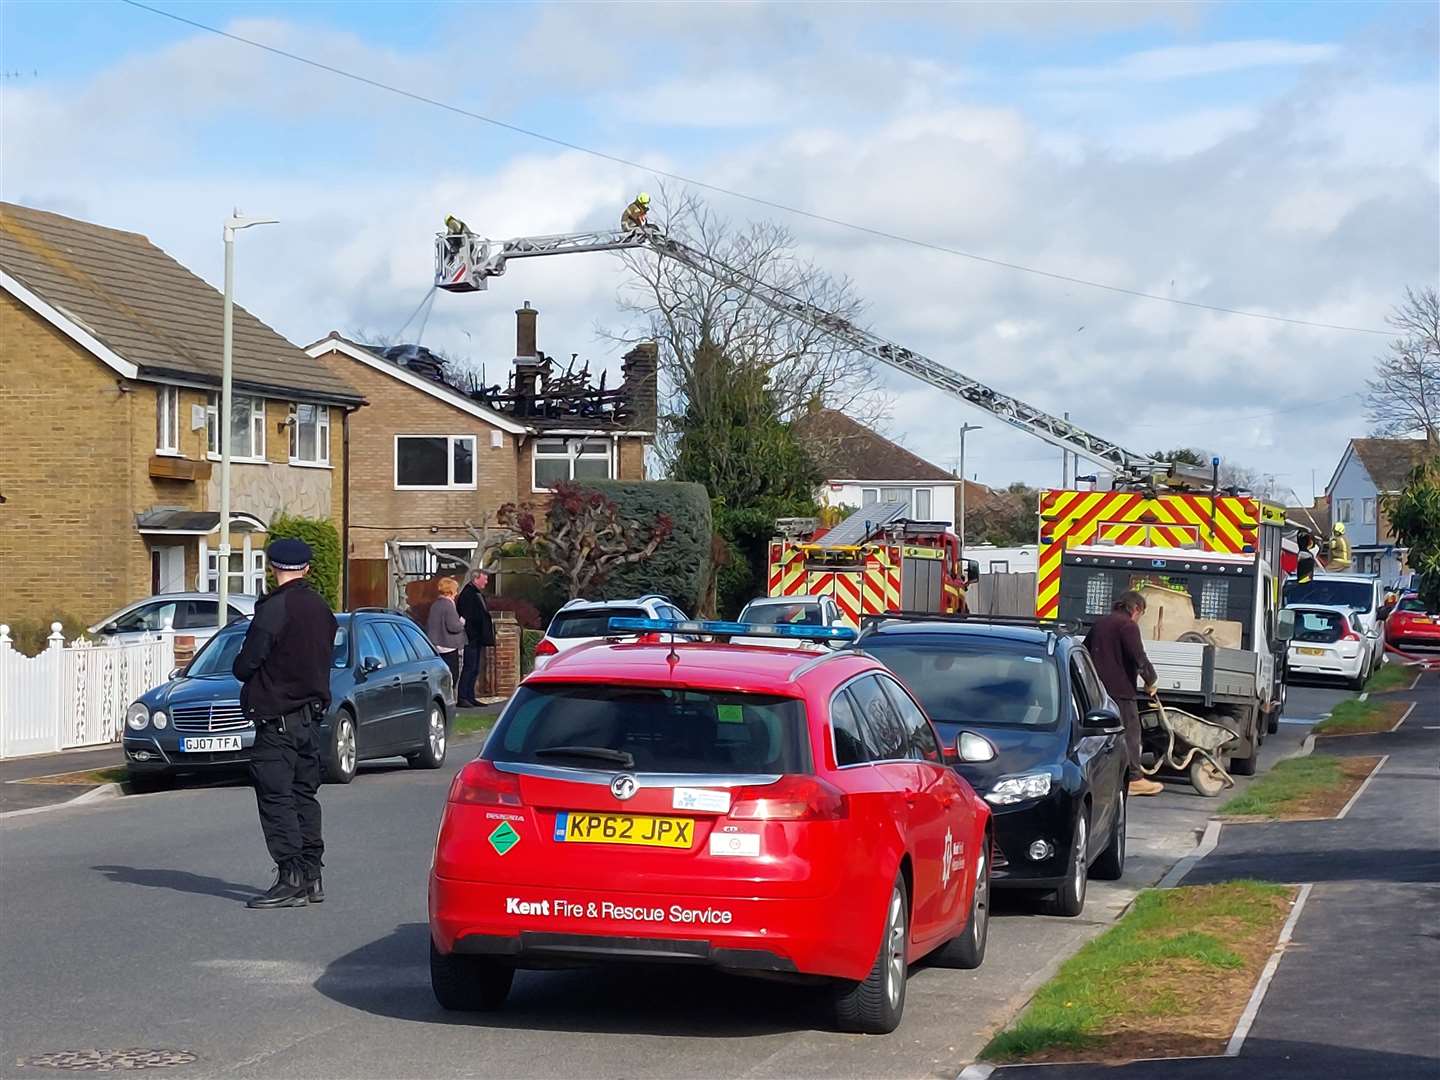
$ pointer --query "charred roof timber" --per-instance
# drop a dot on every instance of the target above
(539, 389)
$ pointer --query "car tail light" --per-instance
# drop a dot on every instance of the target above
(480, 782)
(546, 647)
(791, 798)
(1347, 632)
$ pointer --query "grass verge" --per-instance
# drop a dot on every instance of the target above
(1310, 787)
(1390, 677)
(114, 775)
(1169, 979)
(1362, 717)
(473, 721)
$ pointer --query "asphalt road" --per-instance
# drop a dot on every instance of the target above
(122, 925)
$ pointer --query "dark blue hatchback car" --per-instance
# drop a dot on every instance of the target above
(1034, 733)
(391, 695)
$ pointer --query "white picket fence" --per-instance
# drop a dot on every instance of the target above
(75, 694)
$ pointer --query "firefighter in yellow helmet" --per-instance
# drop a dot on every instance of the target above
(1339, 550)
(633, 219)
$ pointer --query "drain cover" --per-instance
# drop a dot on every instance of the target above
(110, 1060)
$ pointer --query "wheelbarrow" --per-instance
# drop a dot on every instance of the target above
(1192, 745)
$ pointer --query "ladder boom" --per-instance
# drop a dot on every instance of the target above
(464, 262)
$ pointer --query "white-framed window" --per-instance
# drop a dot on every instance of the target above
(1367, 511)
(247, 427)
(920, 504)
(434, 462)
(167, 420)
(570, 459)
(309, 434)
(1343, 509)
(421, 556)
(247, 567)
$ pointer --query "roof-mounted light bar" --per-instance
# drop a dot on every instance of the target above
(721, 628)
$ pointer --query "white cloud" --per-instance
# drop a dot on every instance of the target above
(1193, 61)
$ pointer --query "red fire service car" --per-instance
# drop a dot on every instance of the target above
(1410, 624)
(758, 809)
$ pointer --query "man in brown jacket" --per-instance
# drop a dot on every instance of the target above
(1119, 654)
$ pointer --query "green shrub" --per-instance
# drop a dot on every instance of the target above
(680, 567)
(32, 636)
(324, 541)
(528, 640)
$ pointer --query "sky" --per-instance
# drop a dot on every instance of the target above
(1271, 157)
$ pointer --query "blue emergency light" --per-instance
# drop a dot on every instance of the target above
(798, 631)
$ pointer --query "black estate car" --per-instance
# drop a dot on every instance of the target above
(1035, 734)
(391, 695)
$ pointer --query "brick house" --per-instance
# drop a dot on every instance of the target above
(863, 467)
(426, 456)
(1369, 470)
(110, 358)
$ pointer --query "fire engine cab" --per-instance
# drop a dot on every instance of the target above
(874, 561)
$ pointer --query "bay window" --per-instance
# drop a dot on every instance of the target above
(435, 462)
(570, 459)
(309, 434)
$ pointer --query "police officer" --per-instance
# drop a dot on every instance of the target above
(284, 665)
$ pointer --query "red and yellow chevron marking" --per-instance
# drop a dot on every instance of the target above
(847, 596)
(787, 571)
(1129, 519)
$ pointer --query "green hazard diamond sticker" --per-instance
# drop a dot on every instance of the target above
(504, 838)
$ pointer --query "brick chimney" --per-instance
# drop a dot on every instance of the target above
(527, 356)
(638, 367)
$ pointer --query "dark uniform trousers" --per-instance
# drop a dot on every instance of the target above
(285, 769)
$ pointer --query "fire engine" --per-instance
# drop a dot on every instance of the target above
(874, 561)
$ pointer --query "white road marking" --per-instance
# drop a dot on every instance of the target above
(1207, 844)
(1252, 1008)
(1406, 716)
(1361, 789)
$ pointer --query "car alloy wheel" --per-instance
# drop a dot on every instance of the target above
(980, 906)
(345, 744)
(1077, 879)
(437, 732)
(895, 944)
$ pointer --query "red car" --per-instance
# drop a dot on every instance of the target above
(1410, 624)
(757, 809)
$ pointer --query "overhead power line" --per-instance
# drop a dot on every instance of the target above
(756, 199)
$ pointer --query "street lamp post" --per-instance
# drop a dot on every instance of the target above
(225, 421)
(961, 516)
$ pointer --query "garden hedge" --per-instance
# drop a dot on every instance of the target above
(680, 567)
(324, 541)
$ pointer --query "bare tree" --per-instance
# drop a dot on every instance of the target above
(1404, 396)
(684, 309)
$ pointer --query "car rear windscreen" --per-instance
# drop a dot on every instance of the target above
(782, 614)
(1412, 603)
(978, 683)
(1320, 627)
(1359, 595)
(661, 729)
(577, 624)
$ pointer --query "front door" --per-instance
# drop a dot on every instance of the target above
(167, 569)
(377, 693)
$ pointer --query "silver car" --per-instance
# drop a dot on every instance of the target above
(192, 614)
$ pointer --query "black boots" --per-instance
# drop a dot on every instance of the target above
(290, 890)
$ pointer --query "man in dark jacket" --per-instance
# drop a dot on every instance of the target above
(1115, 646)
(479, 635)
(284, 666)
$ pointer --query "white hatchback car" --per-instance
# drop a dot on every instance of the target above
(793, 610)
(190, 614)
(1361, 593)
(1329, 642)
(580, 622)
